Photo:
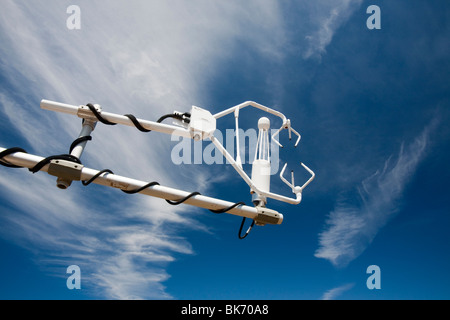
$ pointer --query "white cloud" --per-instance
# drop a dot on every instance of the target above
(142, 57)
(330, 15)
(351, 227)
(115, 246)
(334, 293)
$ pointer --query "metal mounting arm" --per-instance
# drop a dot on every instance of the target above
(78, 172)
(201, 126)
(85, 113)
(198, 124)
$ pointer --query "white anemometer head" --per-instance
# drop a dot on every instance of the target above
(260, 181)
(264, 123)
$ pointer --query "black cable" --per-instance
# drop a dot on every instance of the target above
(227, 209)
(88, 182)
(219, 211)
(175, 203)
(72, 158)
(42, 163)
(164, 117)
(99, 116)
(172, 202)
(78, 141)
(154, 183)
(8, 152)
(182, 117)
(248, 230)
(136, 123)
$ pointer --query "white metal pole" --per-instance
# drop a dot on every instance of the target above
(115, 118)
(59, 107)
(116, 181)
(253, 104)
(86, 130)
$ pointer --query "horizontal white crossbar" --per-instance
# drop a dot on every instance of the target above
(116, 118)
(116, 181)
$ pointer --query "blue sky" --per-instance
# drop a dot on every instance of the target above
(371, 105)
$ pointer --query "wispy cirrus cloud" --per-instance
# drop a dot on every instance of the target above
(330, 15)
(142, 57)
(334, 293)
(353, 225)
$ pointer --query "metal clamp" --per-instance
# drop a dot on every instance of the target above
(267, 216)
(66, 171)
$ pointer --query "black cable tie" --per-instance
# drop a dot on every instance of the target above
(78, 141)
(227, 209)
(136, 123)
(248, 230)
(42, 163)
(88, 182)
(174, 203)
(7, 152)
(99, 116)
(154, 183)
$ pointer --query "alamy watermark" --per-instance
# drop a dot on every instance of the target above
(374, 21)
(74, 280)
(187, 151)
(73, 22)
(374, 280)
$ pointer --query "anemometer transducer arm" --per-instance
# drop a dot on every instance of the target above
(198, 124)
(261, 167)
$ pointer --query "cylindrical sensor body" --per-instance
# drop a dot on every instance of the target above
(261, 179)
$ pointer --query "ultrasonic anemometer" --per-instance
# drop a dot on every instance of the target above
(198, 124)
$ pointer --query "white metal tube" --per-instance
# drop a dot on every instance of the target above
(313, 175)
(149, 125)
(238, 148)
(241, 172)
(119, 119)
(266, 145)
(59, 107)
(261, 107)
(77, 151)
(298, 134)
(25, 160)
(275, 135)
(253, 104)
(86, 130)
(120, 182)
